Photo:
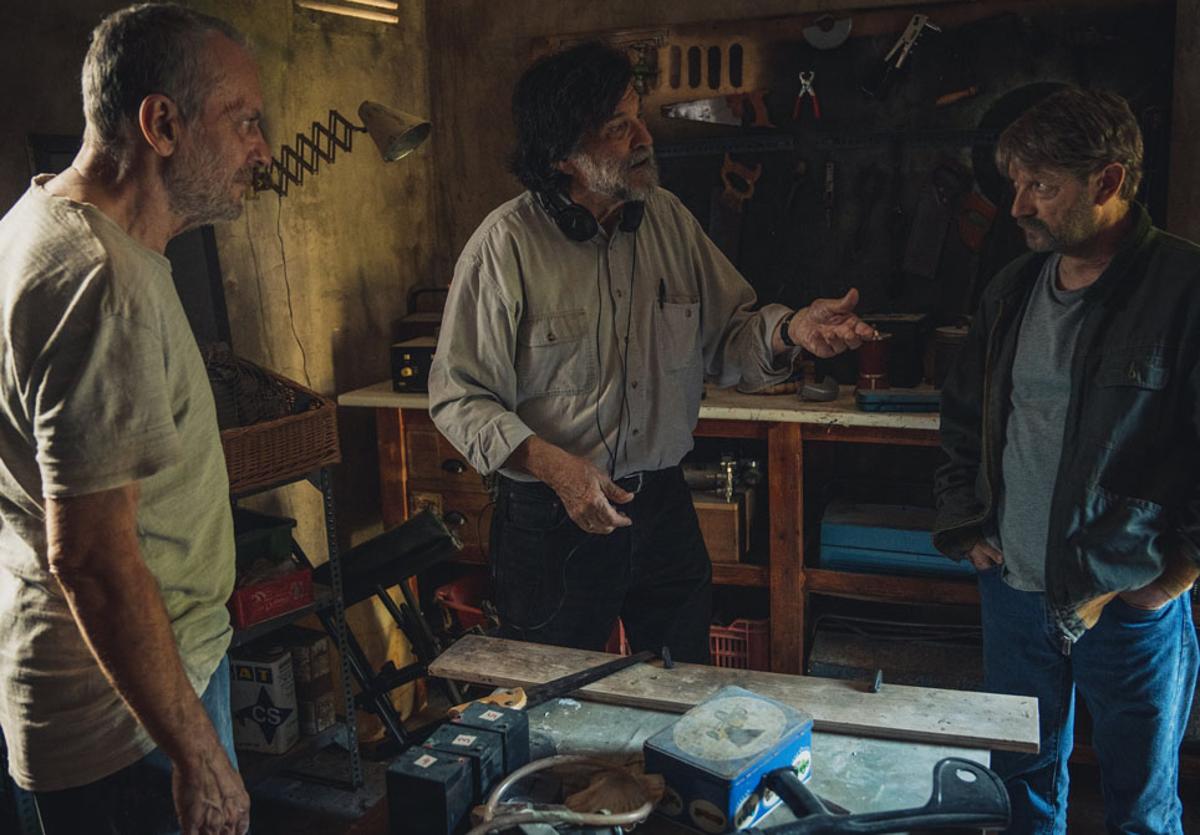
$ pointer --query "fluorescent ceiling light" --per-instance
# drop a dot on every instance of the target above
(351, 11)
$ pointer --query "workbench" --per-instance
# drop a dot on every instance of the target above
(872, 751)
(857, 773)
(411, 452)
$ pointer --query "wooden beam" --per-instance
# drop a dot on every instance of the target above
(913, 714)
(890, 587)
(393, 470)
(785, 505)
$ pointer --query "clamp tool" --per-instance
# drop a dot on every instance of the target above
(807, 91)
(877, 85)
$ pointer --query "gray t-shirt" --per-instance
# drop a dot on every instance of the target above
(1041, 390)
(101, 385)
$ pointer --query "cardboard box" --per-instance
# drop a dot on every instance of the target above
(311, 666)
(263, 701)
(271, 597)
(725, 526)
(715, 757)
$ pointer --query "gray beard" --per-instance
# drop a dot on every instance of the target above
(614, 179)
(196, 194)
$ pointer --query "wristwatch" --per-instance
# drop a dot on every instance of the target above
(783, 330)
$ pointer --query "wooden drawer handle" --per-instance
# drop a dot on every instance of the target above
(453, 465)
(453, 517)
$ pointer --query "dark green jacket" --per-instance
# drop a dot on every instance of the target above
(1127, 494)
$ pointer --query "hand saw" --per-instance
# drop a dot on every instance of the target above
(735, 109)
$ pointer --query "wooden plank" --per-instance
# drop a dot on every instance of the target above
(785, 503)
(739, 574)
(393, 470)
(870, 435)
(890, 587)
(729, 429)
(913, 714)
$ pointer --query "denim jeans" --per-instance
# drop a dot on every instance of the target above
(1136, 672)
(137, 799)
(556, 584)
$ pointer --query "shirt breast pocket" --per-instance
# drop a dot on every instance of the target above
(553, 355)
(678, 333)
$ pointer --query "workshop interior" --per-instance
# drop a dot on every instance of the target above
(822, 146)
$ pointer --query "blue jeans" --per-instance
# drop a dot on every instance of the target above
(1136, 672)
(137, 799)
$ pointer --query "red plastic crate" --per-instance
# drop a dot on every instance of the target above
(460, 599)
(743, 645)
(257, 602)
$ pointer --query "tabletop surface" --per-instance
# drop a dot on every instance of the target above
(718, 404)
(856, 773)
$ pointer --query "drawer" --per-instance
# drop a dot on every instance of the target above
(467, 514)
(433, 461)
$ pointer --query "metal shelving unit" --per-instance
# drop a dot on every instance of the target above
(327, 599)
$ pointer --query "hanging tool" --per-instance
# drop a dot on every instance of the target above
(799, 173)
(956, 96)
(877, 85)
(725, 218)
(828, 32)
(807, 92)
(736, 109)
(520, 698)
(975, 220)
(738, 181)
(829, 194)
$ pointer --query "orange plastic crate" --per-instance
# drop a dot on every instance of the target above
(743, 645)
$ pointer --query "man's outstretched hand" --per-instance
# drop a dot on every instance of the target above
(827, 327)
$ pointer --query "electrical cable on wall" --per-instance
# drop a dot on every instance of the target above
(262, 311)
(288, 287)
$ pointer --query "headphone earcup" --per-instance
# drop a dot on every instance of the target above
(577, 223)
(631, 215)
(573, 220)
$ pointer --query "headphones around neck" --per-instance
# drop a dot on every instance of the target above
(577, 223)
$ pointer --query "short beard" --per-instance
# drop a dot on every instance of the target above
(1077, 228)
(196, 192)
(620, 181)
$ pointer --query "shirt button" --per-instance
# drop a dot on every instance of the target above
(635, 431)
(550, 336)
(618, 294)
(687, 314)
(634, 383)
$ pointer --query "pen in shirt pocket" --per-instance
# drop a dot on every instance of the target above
(662, 293)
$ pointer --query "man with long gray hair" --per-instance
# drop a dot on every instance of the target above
(116, 542)
(1071, 426)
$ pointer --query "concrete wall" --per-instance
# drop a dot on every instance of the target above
(348, 243)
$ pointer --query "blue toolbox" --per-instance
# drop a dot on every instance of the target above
(512, 725)
(429, 792)
(893, 539)
(715, 756)
(484, 750)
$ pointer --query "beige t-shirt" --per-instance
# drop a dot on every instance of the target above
(101, 385)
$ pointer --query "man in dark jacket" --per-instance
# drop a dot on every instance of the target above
(1071, 425)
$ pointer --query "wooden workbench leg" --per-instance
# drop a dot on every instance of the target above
(393, 474)
(785, 472)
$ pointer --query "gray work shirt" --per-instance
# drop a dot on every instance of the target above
(601, 347)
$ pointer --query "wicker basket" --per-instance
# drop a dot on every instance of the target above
(275, 451)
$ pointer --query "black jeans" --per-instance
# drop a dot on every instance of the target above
(556, 584)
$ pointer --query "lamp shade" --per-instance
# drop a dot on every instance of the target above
(397, 134)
